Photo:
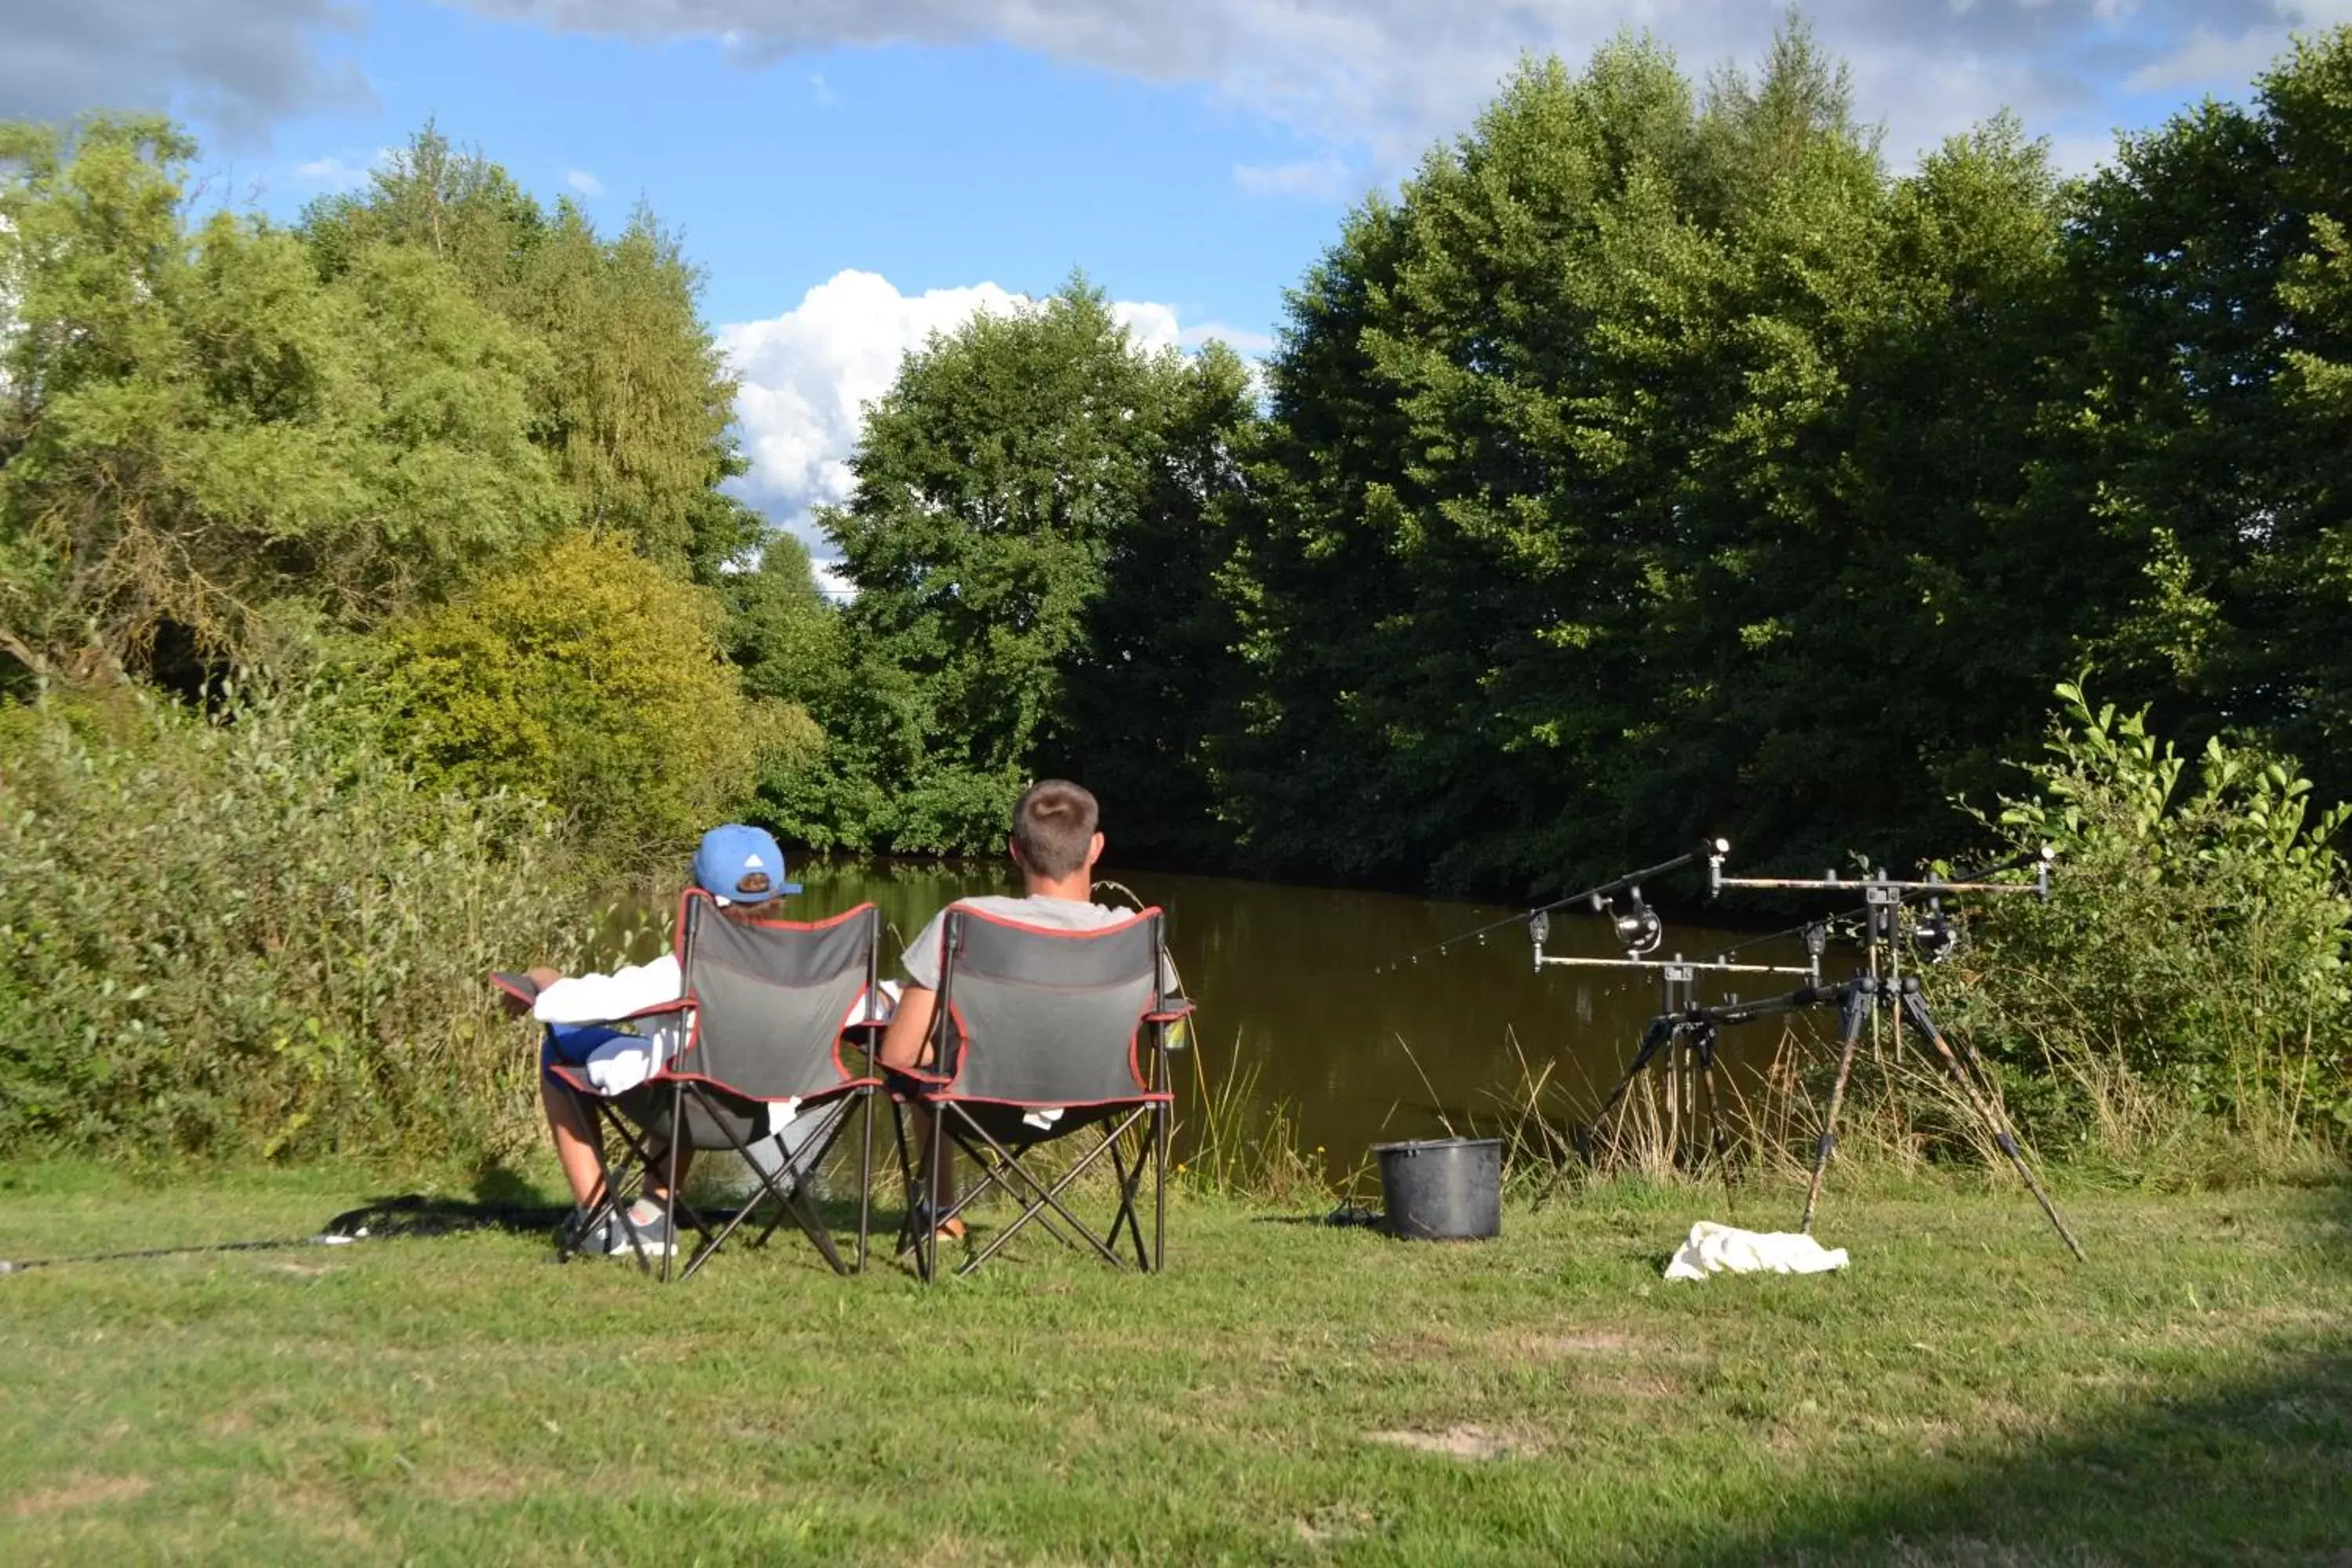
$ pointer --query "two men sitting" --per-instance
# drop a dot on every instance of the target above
(1054, 844)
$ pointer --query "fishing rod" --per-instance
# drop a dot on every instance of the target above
(1875, 886)
(1937, 934)
(1883, 897)
(1598, 897)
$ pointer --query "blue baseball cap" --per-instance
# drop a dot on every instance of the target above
(731, 854)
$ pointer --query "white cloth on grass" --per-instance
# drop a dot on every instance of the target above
(1725, 1249)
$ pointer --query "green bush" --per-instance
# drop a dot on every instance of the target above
(592, 679)
(2191, 963)
(247, 936)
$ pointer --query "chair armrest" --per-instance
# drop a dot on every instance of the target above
(658, 1009)
(521, 988)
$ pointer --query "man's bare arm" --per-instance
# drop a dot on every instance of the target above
(907, 1042)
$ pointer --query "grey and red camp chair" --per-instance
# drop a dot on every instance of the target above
(769, 1006)
(1039, 1034)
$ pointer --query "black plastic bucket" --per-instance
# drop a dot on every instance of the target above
(1448, 1189)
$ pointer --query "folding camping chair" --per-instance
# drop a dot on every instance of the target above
(1038, 1034)
(768, 1005)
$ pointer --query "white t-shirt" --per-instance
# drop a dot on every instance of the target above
(601, 999)
(921, 962)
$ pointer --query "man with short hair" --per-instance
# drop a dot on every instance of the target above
(743, 869)
(1056, 843)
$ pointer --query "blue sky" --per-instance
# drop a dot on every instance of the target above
(853, 173)
(937, 167)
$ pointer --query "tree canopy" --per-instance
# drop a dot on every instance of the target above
(1653, 462)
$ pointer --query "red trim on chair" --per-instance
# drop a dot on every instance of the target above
(821, 1096)
(497, 978)
(692, 893)
(685, 900)
(1141, 1097)
(971, 913)
(963, 1034)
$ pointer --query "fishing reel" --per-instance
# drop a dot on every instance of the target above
(1934, 934)
(1633, 923)
(1636, 925)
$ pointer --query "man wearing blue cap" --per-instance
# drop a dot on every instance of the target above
(743, 869)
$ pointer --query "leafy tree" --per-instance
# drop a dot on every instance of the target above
(590, 678)
(786, 641)
(1626, 478)
(2210, 441)
(193, 427)
(1013, 473)
(782, 632)
(633, 403)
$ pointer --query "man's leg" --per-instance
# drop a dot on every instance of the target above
(657, 1179)
(577, 1148)
(907, 1046)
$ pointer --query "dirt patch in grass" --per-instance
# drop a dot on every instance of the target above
(1574, 1343)
(1464, 1440)
(78, 1491)
(1334, 1522)
(315, 1508)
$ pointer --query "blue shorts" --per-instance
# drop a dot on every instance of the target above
(571, 1043)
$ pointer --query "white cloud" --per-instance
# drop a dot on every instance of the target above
(236, 65)
(2211, 61)
(1376, 81)
(1152, 327)
(822, 92)
(582, 181)
(1311, 179)
(337, 173)
(331, 174)
(808, 374)
(1241, 340)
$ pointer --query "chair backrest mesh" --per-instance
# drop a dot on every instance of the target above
(771, 998)
(1048, 1017)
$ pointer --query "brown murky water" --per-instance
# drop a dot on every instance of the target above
(1285, 980)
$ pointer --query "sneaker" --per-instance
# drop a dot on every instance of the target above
(575, 1234)
(925, 1217)
(624, 1234)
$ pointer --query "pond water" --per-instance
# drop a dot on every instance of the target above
(1289, 991)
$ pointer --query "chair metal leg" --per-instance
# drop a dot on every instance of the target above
(795, 1203)
(941, 1166)
(670, 1182)
(641, 1158)
(866, 1177)
(905, 1179)
(1045, 1196)
(1159, 1188)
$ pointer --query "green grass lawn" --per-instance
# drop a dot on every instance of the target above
(1964, 1394)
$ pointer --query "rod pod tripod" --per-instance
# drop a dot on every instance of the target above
(1682, 1023)
(1901, 995)
(1883, 986)
(1856, 1001)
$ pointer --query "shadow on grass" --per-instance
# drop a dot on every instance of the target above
(417, 1215)
(1348, 1216)
(2256, 1471)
